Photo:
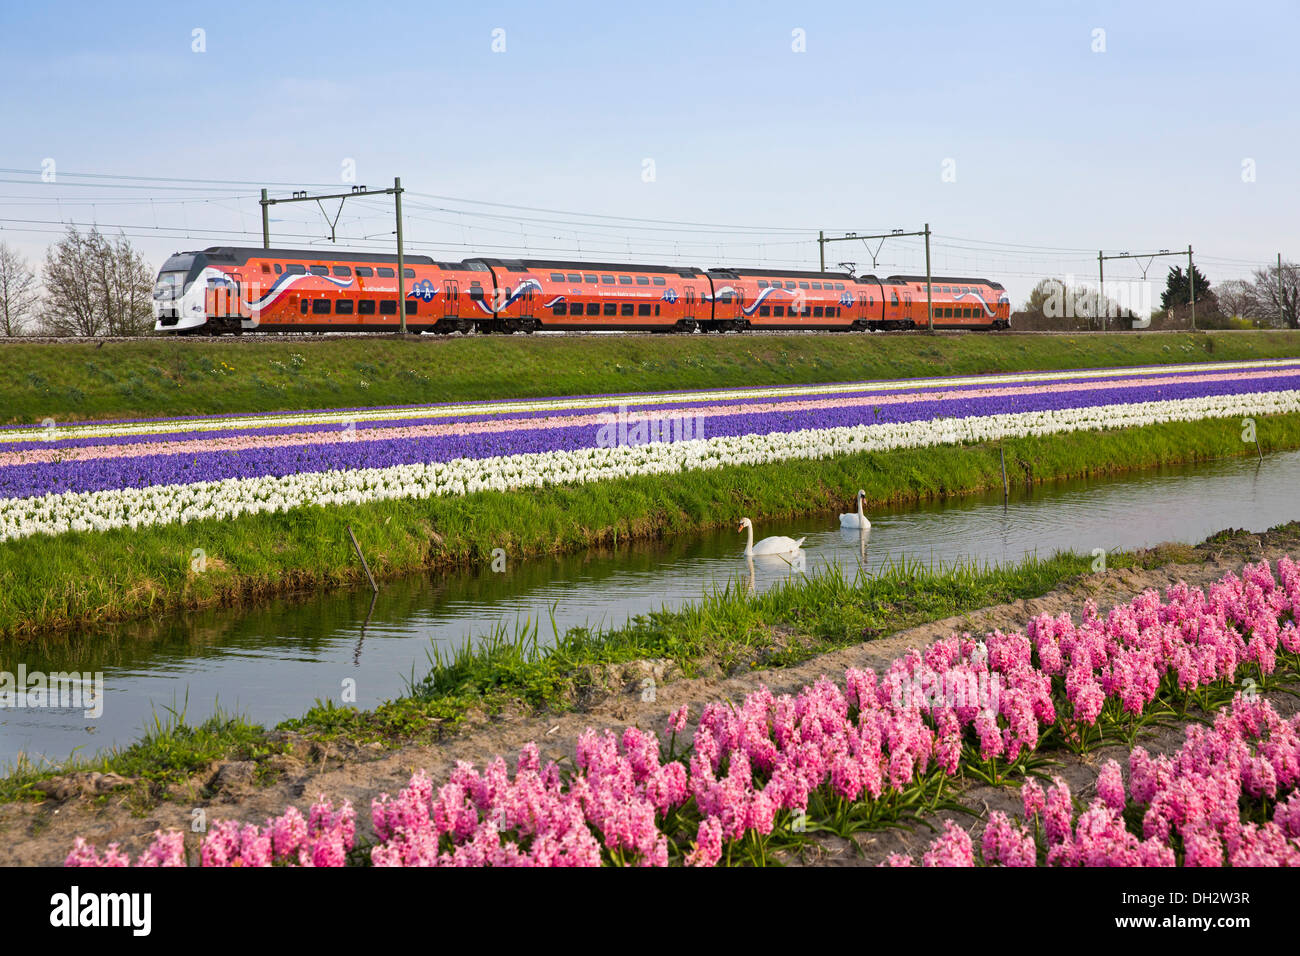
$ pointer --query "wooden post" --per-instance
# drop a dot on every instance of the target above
(373, 586)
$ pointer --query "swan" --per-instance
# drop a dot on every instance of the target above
(773, 545)
(858, 520)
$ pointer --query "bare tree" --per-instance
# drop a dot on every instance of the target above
(1279, 302)
(19, 293)
(1238, 297)
(96, 286)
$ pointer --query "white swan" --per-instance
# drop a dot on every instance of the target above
(858, 520)
(773, 545)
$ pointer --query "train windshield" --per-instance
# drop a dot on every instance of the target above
(171, 279)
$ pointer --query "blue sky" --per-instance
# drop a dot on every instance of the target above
(1054, 147)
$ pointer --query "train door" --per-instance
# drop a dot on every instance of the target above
(688, 303)
(526, 301)
(907, 307)
(450, 299)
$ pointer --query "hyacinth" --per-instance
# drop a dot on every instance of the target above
(873, 737)
(100, 476)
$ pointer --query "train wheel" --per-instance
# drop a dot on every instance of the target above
(685, 325)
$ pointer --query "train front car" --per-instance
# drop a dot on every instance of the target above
(180, 293)
(959, 303)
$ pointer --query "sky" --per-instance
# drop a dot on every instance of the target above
(1029, 135)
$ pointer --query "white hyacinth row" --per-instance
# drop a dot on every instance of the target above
(55, 514)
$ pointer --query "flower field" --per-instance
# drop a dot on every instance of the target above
(56, 479)
(767, 775)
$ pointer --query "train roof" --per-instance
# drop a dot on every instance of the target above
(241, 254)
(523, 265)
(947, 279)
(786, 273)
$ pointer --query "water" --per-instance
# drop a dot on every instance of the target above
(274, 661)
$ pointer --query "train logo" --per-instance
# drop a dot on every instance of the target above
(669, 296)
(760, 298)
(423, 290)
(846, 299)
(509, 298)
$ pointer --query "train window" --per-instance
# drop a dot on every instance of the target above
(365, 272)
(387, 307)
(366, 307)
(590, 278)
(762, 283)
(643, 308)
(320, 270)
(557, 276)
(839, 286)
(305, 304)
(817, 311)
(642, 280)
(295, 270)
(607, 280)
(764, 310)
(789, 285)
(575, 276)
(659, 280)
(624, 280)
(611, 308)
(593, 308)
(342, 271)
(320, 306)
(408, 273)
(893, 299)
(412, 308)
(266, 269)
(778, 310)
(343, 307)
(386, 273)
(559, 309)
(818, 285)
(803, 285)
(278, 268)
(627, 308)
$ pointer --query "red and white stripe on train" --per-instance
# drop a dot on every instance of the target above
(230, 289)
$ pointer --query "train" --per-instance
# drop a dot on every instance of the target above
(232, 290)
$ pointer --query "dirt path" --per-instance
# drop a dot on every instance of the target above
(42, 834)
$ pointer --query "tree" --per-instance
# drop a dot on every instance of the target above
(96, 286)
(19, 293)
(1239, 298)
(1178, 292)
(1278, 301)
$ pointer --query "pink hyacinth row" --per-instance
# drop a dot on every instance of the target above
(1190, 804)
(959, 699)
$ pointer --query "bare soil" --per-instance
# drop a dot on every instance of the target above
(111, 810)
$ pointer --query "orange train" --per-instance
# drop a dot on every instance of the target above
(231, 289)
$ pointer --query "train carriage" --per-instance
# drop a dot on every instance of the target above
(575, 296)
(959, 303)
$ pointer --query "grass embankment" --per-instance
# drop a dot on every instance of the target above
(725, 631)
(74, 382)
(78, 579)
